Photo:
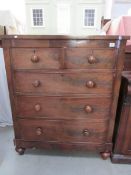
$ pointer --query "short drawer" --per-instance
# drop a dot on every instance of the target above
(82, 58)
(63, 131)
(63, 107)
(36, 58)
(63, 83)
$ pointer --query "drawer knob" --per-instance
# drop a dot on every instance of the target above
(35, 59)
(37, 107)
(88, 109)
(91, 59)
(38, 131)
(86, 132)
(90, 84)
(36, 83)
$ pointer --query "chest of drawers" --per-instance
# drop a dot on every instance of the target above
(64, 90)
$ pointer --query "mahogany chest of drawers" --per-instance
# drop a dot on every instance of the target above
(64, 90)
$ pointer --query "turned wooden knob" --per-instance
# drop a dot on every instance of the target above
(105, 155)
(88, 109)
(38, 131)
(91, 59)
(90, 84)
(36, 83)
(86, 132)
(37, 107)
(35, 59)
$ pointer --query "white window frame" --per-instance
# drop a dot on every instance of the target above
(32, 22)
(89, 8)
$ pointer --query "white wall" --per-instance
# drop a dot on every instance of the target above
(17, 8)
(76, 16)
(79, 29)
(50, 15)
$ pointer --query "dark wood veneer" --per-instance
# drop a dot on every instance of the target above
(122, 134)
(63, 107)
(63, 83)
(64, 90)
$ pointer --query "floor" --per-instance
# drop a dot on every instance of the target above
(55, 163)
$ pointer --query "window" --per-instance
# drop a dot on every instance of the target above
(37, 16)
(89, 17)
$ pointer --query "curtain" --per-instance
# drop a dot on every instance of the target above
(5, 109)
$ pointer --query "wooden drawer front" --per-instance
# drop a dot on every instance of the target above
(64, 42)
(54, 58)
(83, 58)
(54, 83)
(37, 58)
(63, 107)
(63, 131)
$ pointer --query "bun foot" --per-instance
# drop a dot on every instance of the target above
(105, 155)
(20, 151)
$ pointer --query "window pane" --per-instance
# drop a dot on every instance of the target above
(89, 17)
(37, 17)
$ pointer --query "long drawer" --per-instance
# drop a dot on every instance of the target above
(63, 131)
(63, 83)
(63, 107)
(56, 58)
